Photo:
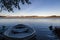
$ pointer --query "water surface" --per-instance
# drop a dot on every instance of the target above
(40, 25)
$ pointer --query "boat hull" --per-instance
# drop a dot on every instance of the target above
(21, 36)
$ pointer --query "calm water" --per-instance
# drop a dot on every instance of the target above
(40, 25)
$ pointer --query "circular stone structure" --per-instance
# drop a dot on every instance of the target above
(19, 32)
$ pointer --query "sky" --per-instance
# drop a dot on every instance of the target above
(37, 8)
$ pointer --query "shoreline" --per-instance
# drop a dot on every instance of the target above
(26, 18)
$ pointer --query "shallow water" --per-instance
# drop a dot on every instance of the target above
(40, 25)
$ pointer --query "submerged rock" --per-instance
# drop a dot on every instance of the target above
(56, 31)
(51, 27)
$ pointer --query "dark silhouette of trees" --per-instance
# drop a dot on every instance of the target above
(10, 4)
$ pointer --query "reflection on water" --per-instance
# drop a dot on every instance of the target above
(40, 25)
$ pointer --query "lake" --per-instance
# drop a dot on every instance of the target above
(41, 25)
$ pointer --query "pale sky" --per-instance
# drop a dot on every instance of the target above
(38, 8)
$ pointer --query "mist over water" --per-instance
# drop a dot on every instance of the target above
(40, 25)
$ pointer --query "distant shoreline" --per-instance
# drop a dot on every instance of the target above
(30, 16)
(27, 18)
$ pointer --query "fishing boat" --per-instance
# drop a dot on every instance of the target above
(19, 32)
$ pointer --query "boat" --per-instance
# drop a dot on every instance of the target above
(19, 32)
